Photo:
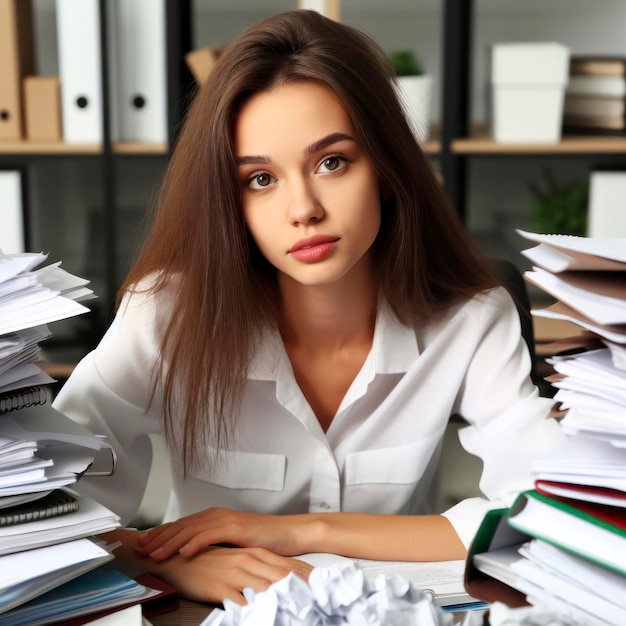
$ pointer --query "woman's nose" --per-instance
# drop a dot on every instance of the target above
(304, 205)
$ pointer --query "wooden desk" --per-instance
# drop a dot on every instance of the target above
(188, 614)
(193, 613)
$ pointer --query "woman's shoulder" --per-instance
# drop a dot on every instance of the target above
(155, 289)
(495, 300)
(490, 303)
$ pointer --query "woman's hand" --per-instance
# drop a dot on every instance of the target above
(217, 574)
(219, 526)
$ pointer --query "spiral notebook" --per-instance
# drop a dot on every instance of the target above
(57, 502)
(22, 398)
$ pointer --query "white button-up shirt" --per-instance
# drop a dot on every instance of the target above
(379, 454)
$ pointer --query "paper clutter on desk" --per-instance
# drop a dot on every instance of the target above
(338, 594)
(501, 615)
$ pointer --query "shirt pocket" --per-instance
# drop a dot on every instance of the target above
(244, 470)
(397, 465)
(387, 480)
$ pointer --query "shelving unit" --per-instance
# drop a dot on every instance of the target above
(455, 145)
(103, 162)
(461, 142)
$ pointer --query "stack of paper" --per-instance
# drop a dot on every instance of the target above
(550, 551)
(30, 298)
(562, 544)
(49, 559)
(587, 277)
(43, 523)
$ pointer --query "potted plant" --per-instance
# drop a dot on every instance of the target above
(414, 91)
(559, 208)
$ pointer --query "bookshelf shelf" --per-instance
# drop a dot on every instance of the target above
(47, 147)
(432, 147)
(140, 148)
(483, 144)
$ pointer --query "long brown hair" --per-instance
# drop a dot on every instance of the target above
(225, 290)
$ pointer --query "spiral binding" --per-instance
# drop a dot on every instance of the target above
(57, 502)
(22, 398)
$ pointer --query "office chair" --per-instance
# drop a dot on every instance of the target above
(514, 282)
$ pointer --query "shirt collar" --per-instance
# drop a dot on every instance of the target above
(394, 348)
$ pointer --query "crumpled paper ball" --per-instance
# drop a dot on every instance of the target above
(339, 594)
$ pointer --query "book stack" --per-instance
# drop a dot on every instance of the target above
(595, 97)
(563, 543)
(48, 552)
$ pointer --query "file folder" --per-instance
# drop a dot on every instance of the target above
(138, 71)
(80, 70)
(42, 102)
(18, 60)
(12, 232)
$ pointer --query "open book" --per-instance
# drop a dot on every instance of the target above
(443, 578)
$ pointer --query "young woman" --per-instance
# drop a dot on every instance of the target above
(306, 315)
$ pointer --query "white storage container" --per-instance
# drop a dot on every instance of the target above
(528, 82)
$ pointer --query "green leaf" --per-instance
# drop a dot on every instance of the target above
(406, 63)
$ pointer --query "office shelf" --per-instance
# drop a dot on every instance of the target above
(47, 147)
(570, 144)
(140, 148)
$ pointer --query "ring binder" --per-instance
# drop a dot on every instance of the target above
(58, 502)
(109, 472)
(22, 398)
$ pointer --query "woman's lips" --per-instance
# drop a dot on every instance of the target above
(314, 249)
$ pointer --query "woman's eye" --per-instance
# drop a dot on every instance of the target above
(260, 181)
(332, 164)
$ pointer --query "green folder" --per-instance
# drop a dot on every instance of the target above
(593, 531)
(494, 533)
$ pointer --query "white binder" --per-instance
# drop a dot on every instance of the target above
(138, 86)
(80, 70)
(12, 231)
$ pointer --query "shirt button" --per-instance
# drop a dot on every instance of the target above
(325, 505)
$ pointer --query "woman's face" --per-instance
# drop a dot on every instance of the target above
(310, 194)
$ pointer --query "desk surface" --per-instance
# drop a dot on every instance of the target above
(193, 613)
(188, 614)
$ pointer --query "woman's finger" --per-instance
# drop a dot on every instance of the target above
(152, 534)
(220, 573)
(174, 540)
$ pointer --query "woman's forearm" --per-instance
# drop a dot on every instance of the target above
(358, 535)
(214, 574)
(379, 537)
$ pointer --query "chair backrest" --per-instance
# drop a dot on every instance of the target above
(514, 282)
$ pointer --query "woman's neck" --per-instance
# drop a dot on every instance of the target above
(327, 317)
(327, 332)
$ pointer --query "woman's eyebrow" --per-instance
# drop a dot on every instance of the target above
(329, 140)
(253, 160)
(316, 146)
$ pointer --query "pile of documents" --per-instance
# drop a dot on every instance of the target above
(587, 277)
(46, 528)
(563, 543)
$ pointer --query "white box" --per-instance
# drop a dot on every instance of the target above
(607, 204)
(528, 82)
